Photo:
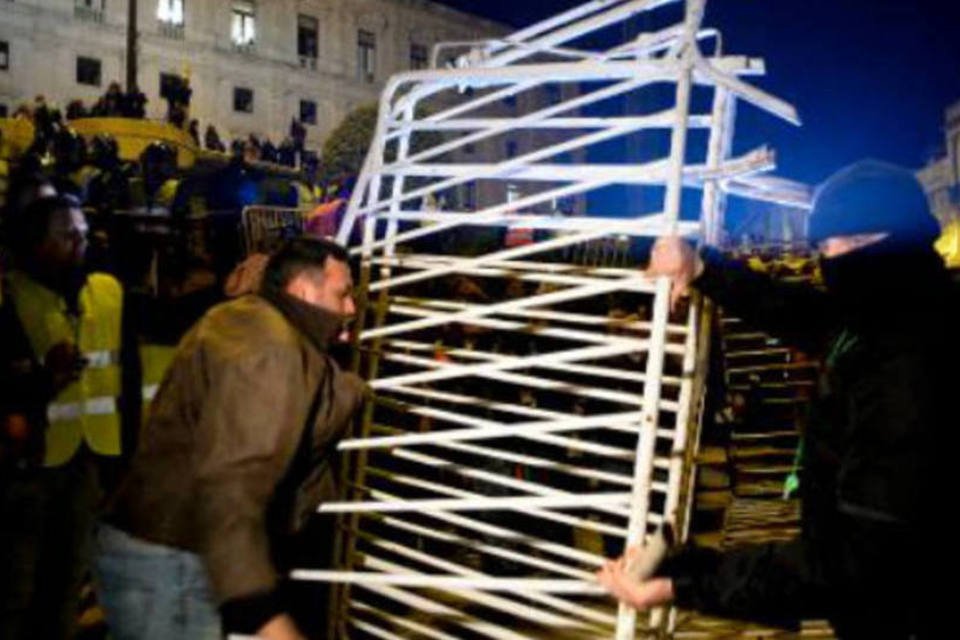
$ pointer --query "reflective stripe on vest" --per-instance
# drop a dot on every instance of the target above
(155, 359)
(85, 411)
(101, 359)
(59, 411)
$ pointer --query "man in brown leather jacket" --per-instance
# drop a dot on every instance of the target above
(234, 457)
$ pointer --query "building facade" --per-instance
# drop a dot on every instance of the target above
(252, 65)
(941, 177)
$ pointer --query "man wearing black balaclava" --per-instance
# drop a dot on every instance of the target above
(874, 480)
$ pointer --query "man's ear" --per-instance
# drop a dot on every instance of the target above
(297, 287)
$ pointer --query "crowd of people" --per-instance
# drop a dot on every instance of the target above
(117, 103)
(86, 344)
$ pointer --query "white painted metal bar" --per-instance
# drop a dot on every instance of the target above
(563, 317)
(564, 363)
(536, 382)
(591, 392)
(555, 38)
(634, 282)
(485, 597)
(465, 499)
(569, 423)
(481, 423)
(581, 612)
(526, 171)
(661, 120)
(624, 226)
(479, 504)
(640, 502)
(582, 446)
(520, 610)
(630, 345)
(536, 543)
(581, 471)
(586, 370)
(561, 19)
(452, 583)
(375, 631)
(446, 613)
(552, 267)
(403, 622)
(500, 552)
(530, 488)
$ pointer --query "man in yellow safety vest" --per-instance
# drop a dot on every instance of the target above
(60, 413)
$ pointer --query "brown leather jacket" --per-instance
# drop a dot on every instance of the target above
(222, 432)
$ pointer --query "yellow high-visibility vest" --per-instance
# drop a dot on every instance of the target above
(155, 359)
(86, 411)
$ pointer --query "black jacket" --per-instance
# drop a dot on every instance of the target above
(874, 466)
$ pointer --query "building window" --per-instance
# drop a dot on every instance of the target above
(511, 148)
(418, 56)
(170, 19)
(470, 196)
(243, 100)
(308, 112)
(170, 11)
(308, 29)
(513, 192)
(243, 27)
(88, 71)
(4, 55)
(366, 55)
(91, 10)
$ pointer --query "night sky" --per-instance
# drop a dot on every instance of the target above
(869, 77)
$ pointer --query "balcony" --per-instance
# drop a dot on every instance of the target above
(88, 14)
(247, 48)
(308, 62)
(170, 30)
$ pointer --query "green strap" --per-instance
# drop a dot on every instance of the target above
(844, 342)
(792, 483)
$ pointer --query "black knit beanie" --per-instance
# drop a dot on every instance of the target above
(871, 196)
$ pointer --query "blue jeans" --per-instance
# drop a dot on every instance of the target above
(153, 592)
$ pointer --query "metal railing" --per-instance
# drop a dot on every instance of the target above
(88, 14)
(171, 30)
(514, 415)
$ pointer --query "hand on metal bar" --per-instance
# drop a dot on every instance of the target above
(630, 578)
(672, 257)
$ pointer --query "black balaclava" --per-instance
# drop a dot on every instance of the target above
(876, 197)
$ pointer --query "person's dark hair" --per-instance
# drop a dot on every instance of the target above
(299, 255)
(22, 191)
(30, 227)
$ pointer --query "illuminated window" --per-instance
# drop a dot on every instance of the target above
(170, 11)
(243, 27)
